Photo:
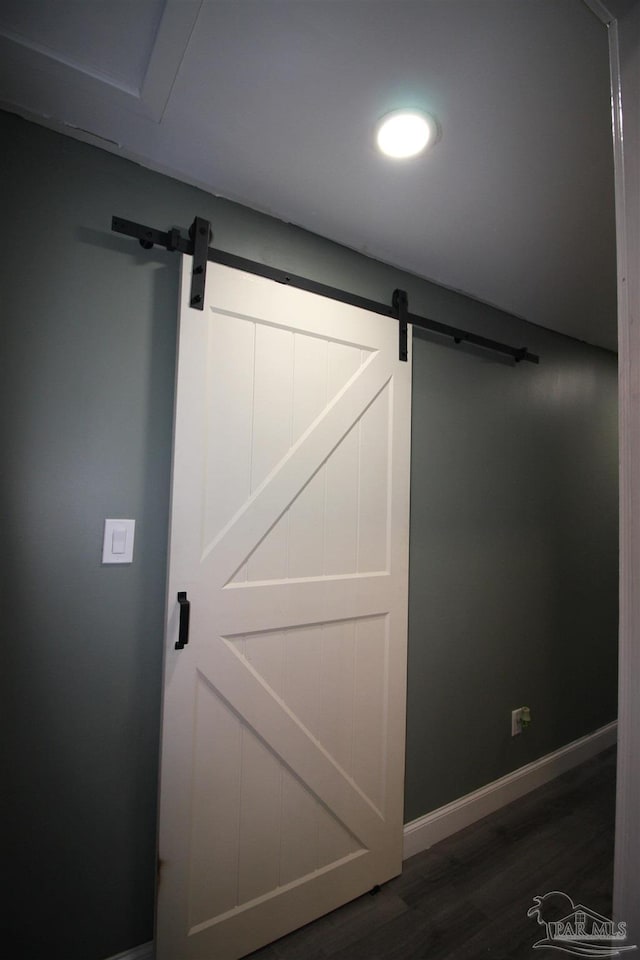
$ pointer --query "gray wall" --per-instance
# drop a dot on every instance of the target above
(513, 560)
(513, 531)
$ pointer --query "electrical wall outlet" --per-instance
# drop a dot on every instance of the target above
(516, 722)
(520, 720)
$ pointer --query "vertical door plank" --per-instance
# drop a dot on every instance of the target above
(306, 534)
(272, 414)
(370, 722)
(228, 440)
(341, 514)
(336, 686)
(260, 807)
(373, 505)
(299, 848)
(213, 879)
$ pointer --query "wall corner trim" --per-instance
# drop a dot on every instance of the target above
(601, 11)
(143, 952)
(422, 833)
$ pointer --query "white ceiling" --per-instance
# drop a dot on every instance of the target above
(274, 103)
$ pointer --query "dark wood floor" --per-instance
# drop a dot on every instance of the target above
(468, 896)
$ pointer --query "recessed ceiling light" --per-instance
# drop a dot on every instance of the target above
(405, 133)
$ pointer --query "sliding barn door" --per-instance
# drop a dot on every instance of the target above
(283, 733)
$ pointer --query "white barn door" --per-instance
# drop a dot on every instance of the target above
(283, 730)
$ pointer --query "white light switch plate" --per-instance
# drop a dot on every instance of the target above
(117, 546)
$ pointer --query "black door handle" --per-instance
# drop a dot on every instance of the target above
(185, 611)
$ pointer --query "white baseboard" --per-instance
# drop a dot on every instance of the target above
(143, 952)
(422, 833)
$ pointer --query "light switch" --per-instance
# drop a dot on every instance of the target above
(117, 545)
(118, 539)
